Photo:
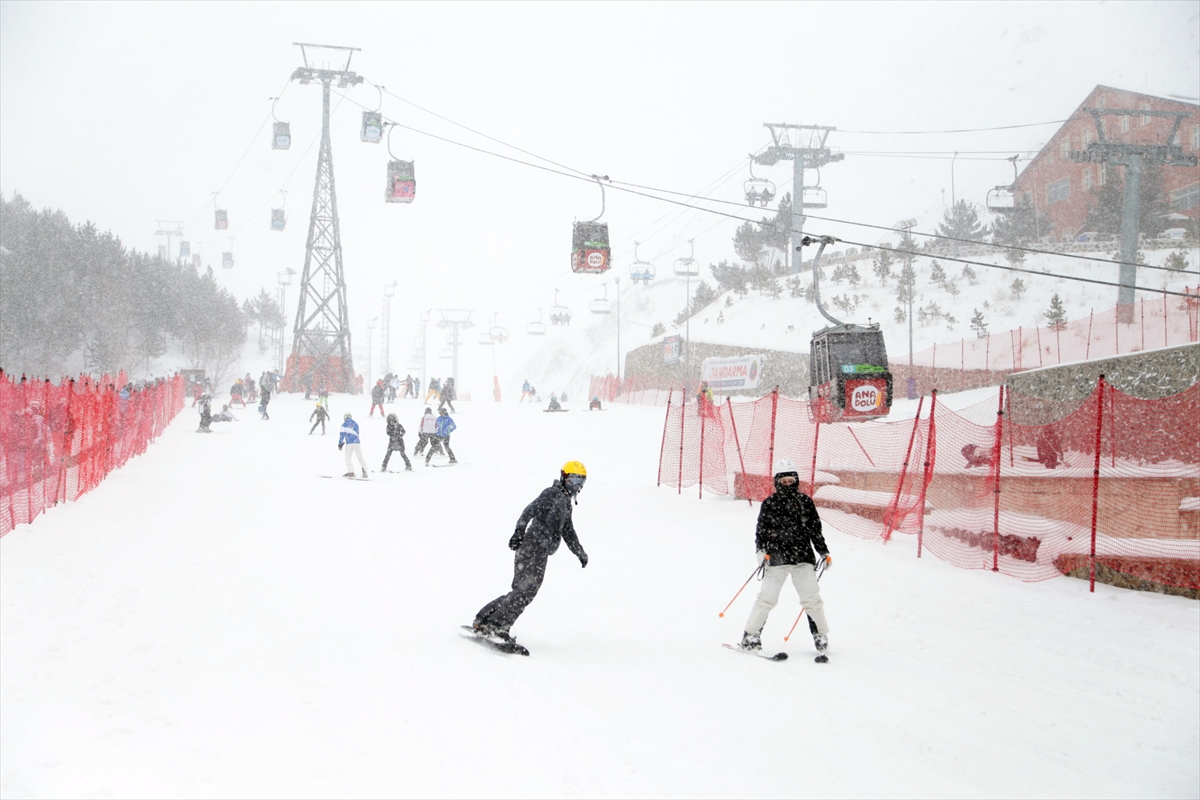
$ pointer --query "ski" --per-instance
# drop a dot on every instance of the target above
(760, 654)
(355, 478)
(447, 464)
(511, 648)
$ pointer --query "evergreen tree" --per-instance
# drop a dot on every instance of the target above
(962, 222)
(906, 284)
(1107, 205)
(979, 324)
(730, 277)
(881, 265)
(795, 286)
(1056, 317)
(840, 273)
(853, 276)
(1017, 287)
(658, 330)
(1021, 226)
(969, 275)
(1177, 260)
(937, 275)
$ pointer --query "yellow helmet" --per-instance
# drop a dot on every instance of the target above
(574, 468)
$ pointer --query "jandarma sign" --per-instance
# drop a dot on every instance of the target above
(739, 372)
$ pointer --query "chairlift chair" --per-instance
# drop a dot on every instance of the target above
(486, 339)
(281, 138)
(759, 191)
(601, 305)
(687, 267)
(640, 270)
(1003, 199)
(814, 197)
(372, 127)
(498, 333)
(559, 314)
(537, 328)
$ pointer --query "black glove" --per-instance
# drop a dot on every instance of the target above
(515, 541)
(583, 560)
(339, 446)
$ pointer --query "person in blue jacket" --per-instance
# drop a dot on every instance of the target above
(445, 426)
(348, 439)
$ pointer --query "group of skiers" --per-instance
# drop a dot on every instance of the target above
(433, 434)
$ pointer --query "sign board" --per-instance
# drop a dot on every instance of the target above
(866, 397)
(185, 249)
(731, 374)
(671, 348)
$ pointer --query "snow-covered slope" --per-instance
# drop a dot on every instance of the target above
(216, 619)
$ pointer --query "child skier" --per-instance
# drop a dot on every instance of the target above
(441, 437)
(542, 525)
(349, 439)
(395, 432)
(320, 415)
(788, 531)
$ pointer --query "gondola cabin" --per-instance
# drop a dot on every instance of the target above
(401, 182)
(372, 127)
(278, 219)
(282, 136)
(848, 373)
(227, 260)
(221, 220)
(590, 252)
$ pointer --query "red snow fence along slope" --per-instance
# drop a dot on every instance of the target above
(61, 441)
(1112, 481)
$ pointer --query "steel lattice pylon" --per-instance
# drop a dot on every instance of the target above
(321, 355)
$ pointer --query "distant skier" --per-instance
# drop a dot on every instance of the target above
(320, 415)
(554, 404)
(434, 388)
(226, 415)
(441, 438)
(426, 430)
(594, 405)
(449, 395)
(236, 393)
(395, 432)
(205, 414)
(542, 525)
(264, 400)
(348, 438)
(377, 398)
(525, 392)
(788, 532)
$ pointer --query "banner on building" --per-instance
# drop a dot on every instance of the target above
(671, 348)
(739, 372)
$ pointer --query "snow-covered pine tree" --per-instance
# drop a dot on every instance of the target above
(937, 275)
(962, 222)
(1056, 317)
(881, 265)
(1018, 288)
(979, 324)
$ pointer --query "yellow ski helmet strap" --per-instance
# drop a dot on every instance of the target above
(574, 468)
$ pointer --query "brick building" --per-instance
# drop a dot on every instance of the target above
(1062, 189)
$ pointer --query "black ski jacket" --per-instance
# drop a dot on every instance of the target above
(547, 521)
(395, 432)
(789, 528)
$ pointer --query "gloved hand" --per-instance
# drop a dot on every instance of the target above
(515, 541)
(761, 556)
(339, 447)
(828, 562)
(583, 560)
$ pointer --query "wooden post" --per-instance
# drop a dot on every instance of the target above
(741, 461)
(663, 447)
(774, 411)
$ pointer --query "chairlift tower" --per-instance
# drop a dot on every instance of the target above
(455, 319)
(321, 342)
(804, 146)
(170, 229)
(1133, 157)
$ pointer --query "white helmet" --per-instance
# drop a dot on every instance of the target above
(784, 465)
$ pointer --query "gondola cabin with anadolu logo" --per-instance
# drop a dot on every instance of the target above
(848, 365)
(590, 251)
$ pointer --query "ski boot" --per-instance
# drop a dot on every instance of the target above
(821, 642)
(364, 473)
(348, 475)
(750, 642)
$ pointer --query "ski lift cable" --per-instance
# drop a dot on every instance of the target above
(961, 130)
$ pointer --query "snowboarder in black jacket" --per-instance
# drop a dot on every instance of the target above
(395, 432)
(541, 527)
(788, 532)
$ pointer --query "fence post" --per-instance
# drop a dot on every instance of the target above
(682, 420)
(700, 411)
(996, 455)
(930, 457)
(1087, 353)
(1165, 342)
(889, 517)
(738, 444)
(662, 448)
(1112, 420)
(1143, 324)
(774, 410)
(1038, 330)
(1116, 332)
(1096, 480)
(812, 475)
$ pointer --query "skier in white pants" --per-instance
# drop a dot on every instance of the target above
(348, 439)
(788, 532)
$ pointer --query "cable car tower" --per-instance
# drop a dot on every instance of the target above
(321, 354)
(804, 146)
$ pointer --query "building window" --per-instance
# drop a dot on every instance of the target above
(1057, 191)
(1124, 124)
(1064, 149)
(1086, 138)
(1103, 174)
(1145, 118)
(1185, 198)
(1087, 179)
(1196, 137)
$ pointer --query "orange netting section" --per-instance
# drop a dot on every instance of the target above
(61, 441)
(1016, 485)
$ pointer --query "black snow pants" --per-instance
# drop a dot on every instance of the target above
(529, 569)
(436, 445)
(396, 447)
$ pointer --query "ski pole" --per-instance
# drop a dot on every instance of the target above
(820, 572)
(760, 568)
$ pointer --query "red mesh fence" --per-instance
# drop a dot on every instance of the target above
(1015, 485)
(61, 440)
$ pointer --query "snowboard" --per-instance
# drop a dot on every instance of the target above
(355, 478)
(759, 653)
(511, 648)
(551, 411)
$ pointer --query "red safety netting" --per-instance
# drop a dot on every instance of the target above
(1029, 488)
(60, 441)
